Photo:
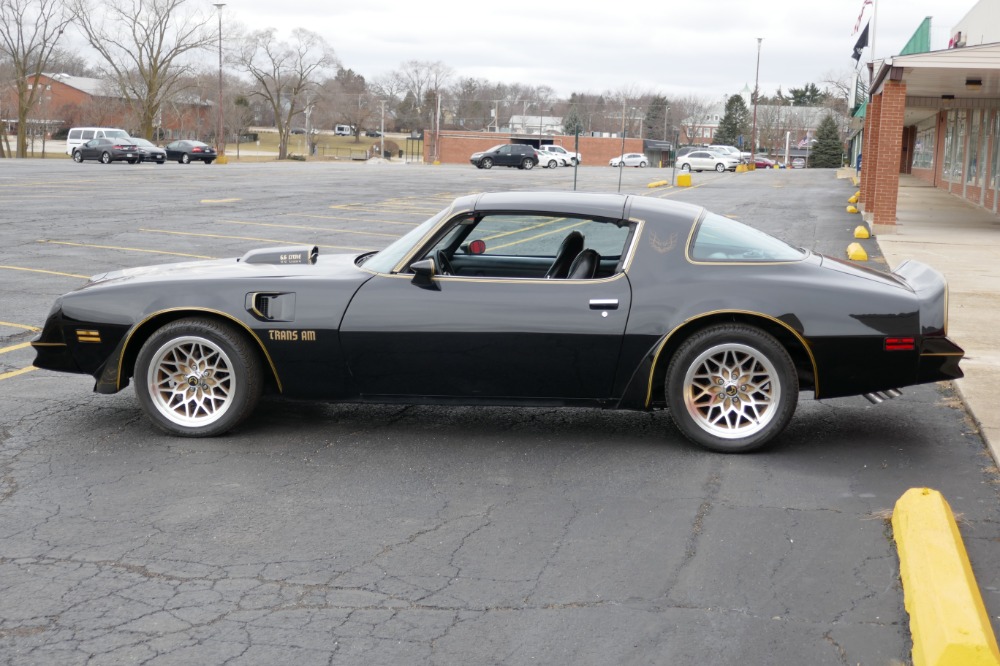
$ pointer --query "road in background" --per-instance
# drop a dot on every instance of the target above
(428, 535)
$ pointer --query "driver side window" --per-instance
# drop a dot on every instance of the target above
(531, 245)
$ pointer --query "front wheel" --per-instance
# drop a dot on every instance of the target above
(486, 163)
(197, 377)
(720, 167)
(78, 157)
(731, 388)
(105, 158)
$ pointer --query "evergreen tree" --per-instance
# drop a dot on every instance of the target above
(656, 116)
(734, 124)
(572, 122)
(828, 151)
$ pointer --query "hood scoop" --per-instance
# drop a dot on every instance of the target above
(291, 254)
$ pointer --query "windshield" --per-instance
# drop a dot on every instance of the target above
(719, 238)
(386, 260)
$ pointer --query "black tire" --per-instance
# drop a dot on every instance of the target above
(731, 388)
(105, 158)
(486, 163)
(528, 163)
(552, 164)
(185, 158)
(720, 167)
(685, 167)
(201, 401)
(642, 165)
(209, 161)
(132, 161)
(78, 157)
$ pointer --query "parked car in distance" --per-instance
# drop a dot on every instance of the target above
(548, 160)
(186, 151)
(107, 151)
(684, 150)
(761, 162)
(150, 152)
(731, 151)
(629, 159)
(373, 133)
(702, 160)
(517, 155)
(798, 163)
(570, 157)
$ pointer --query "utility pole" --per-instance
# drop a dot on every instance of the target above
(220, 141)
(756, 88)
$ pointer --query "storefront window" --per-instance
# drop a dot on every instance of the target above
(949, 146)
(972, 166)
(959, 161)
(923, 149)
(996, 149)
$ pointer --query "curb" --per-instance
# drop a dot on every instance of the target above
(948, 621)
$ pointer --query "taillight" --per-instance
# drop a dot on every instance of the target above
(196, 149)
(900, 344)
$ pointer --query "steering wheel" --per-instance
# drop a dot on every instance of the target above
(443, 263)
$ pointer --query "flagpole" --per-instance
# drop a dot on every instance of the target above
(874, 27)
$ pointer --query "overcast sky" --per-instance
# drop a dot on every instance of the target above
(704, 47)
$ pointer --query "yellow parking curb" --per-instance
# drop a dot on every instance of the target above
(948, 621)
(856, 253)
(658, 183)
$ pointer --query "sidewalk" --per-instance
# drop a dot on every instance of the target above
(963, 242)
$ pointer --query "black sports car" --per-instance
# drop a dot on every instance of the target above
(516, 298)
(186, 151)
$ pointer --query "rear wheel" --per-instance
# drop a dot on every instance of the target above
(105, 158)
(685, 167)
(552, 164)
(642, 164)
(528, 163)
(731, 388)
(185, 158)
(197, 377)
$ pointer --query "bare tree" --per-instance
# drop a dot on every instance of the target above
(286, 74)
(691, 112)
(29, 32)
(143, 44)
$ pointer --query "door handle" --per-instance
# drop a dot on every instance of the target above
(604, 304)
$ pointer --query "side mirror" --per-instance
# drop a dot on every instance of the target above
(423, 274)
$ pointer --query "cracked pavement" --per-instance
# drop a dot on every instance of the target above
(347, 534)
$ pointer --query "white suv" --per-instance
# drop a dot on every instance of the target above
(570, 158)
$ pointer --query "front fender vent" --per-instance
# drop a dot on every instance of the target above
(271, 306)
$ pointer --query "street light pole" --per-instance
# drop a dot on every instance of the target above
(220, 142)
(756, 94)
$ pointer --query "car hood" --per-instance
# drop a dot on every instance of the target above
(331, 266)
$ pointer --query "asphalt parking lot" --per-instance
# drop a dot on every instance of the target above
(321, 533)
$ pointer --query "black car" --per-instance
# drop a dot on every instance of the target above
(107, 151)
(517, 298)
(187, 150)
(373, 133)
(150, 152)
(517, 155)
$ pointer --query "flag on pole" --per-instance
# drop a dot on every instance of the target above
(857, 25)
(860, 45)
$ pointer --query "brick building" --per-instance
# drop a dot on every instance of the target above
(456, 147)
(73, 101)
(936, 115)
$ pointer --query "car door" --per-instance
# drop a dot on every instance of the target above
(92, 149)
(493, 338)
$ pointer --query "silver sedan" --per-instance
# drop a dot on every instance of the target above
(701, 160)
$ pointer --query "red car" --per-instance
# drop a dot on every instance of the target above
(761, 162)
